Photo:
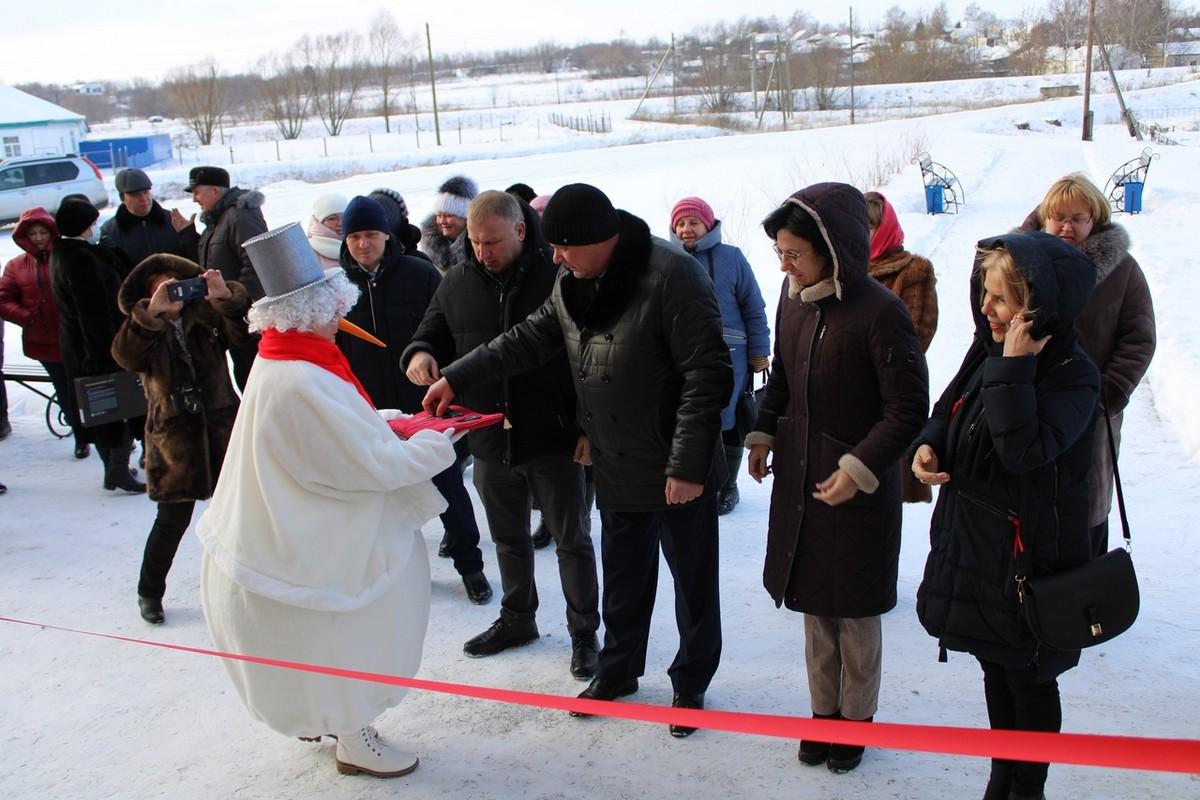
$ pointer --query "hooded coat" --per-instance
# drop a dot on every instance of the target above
(391, 306)
(237, 217)
(144, 236)
(1116, 329)
(743, 311)
(471, 307)
(26, 298)
(1015, 436)
(184, 450)
(911, 278)
(849, 390)
(651, 370)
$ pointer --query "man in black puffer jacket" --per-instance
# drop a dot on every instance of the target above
(141, 227)
(506, 275)
(642, 331)
(396, 289)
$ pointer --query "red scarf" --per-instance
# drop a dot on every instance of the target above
(297, 346)
(889, 235)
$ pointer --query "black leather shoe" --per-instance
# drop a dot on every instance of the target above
(584, 654)
(444, 545)
(151, 610)
(601, 689)
(727, 500)
(542, 537)
(82, 450)
(5, 428)
(845, 757)
(479, 591)
(126, 481)
(685, 700)
(502, 635)
(813, 753)
(3, 488)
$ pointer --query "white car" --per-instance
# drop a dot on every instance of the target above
(29, 181)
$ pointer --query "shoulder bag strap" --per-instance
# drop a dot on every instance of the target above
(1112, 451)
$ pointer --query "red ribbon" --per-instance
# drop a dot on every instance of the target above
(1123, 752)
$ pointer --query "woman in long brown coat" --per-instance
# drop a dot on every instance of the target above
(911, 278)
(178, 348)
(847, 394)
(1116, 327)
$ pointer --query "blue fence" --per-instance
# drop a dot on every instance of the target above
(128, 151)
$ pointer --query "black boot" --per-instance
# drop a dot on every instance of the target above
(814, 753)
(116, 470)
(81, 448)
(541, 537)
(999, 781)
(728, 498)
(845, 757)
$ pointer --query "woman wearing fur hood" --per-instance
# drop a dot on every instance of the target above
(1116, 327)
(324, 228)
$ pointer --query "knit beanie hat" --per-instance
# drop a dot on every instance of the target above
(328, 204)
(393, 205)
(75, 215)
(454, 195)
(364, 214)
(579, 214)
(693, 207)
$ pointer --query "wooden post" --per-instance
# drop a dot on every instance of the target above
(437, 125)
(1087, 75)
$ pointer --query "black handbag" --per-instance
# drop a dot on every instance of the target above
(746, 411)
(1087, 605)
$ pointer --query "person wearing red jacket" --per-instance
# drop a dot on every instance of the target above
(27, 301)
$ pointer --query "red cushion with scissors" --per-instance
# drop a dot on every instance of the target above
(457, 417)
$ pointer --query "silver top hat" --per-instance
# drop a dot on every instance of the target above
(285, 262)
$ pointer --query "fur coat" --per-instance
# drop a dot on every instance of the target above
(443, 252)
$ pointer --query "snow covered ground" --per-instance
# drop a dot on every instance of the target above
(92, 718)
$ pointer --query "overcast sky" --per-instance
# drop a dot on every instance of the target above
(121, 39)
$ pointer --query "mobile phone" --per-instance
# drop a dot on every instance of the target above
(187, 289)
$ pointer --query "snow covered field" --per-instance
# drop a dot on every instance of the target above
(91, 718)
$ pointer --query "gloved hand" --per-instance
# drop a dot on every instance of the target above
(760, 363)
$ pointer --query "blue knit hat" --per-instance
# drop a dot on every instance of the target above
(364, 214)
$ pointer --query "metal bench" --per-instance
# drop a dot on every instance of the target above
(29, 375)
(1124, 186)
(943, 192)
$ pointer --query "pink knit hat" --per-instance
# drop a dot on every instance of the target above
(693, 207)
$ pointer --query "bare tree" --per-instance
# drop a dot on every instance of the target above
(388, 48)
(1067, 20)
(718, 49)
(336, 69)
(1133, 24)
(285, 91)
(199, 96)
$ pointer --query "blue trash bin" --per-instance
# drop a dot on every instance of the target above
(935, 199)
(1133, 197)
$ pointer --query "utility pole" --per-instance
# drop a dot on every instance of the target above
(1087, 75)
(674, 96)
(851, 65)
(437, 126)
(753, 70)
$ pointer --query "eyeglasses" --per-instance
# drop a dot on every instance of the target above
(790, 256)
(1077, 219)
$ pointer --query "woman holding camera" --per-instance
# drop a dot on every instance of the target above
(178, 348)
(1010, 444)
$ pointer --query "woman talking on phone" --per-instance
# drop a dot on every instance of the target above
(1010, 443)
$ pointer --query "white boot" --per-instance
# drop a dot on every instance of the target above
(364, 751)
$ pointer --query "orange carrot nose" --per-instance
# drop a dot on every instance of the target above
(346, 326)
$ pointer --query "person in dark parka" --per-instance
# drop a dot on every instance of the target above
(178, 349)
(85, 279)
(1010, 444)
(141, 227)
(848, 392)
(642, 332)
(507, 275)
(395, 291)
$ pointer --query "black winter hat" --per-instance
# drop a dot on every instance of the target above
(75, 215)
(207, 176)
(579, 214)
(364, 214)
(523, 191)
(393, 205)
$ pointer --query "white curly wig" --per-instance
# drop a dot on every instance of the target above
(307, 309)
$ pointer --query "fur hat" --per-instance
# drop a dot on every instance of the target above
(207, 176)
(364, 214)
(393, 205)
(523, 191)
(328, 204)
(454, 195)
(579, 214)
(75, 215)
(693, 207)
